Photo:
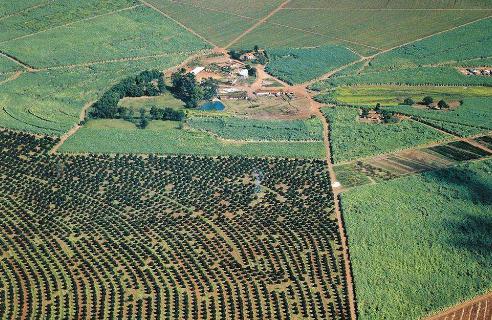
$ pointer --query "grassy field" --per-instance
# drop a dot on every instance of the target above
(11, 7)
(394, 95)
(56, 14)
(422, 243)
(50, 102)
(118, 136)
(472, 117)
(351, 139)
(304, 64)
(248, 129)
(164, 101)
(137, 32)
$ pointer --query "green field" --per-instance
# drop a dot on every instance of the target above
(56, 14)
(473, 117)
(131, 33)
(391, 95)
(7, 65)
(50, 102)
(118, 136)
(393, 4)
(303, 64)
(422, 243)
(249, 129)
(351, 139)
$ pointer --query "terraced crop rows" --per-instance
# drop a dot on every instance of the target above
(165, 237)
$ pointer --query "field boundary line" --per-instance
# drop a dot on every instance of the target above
(72, 23)
(257, 24)
(17, 61)
(13, 14)
(459, 306)
(151, 6)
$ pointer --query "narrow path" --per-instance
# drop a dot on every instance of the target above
(257, 24)
(149, 5)
(72, 22)
(12, 77)
(316, 109)
(332, 72)
(74, 129)
(17, 61)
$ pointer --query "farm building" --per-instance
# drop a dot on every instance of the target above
(197, 70)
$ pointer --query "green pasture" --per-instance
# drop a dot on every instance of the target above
(394, 4)
(265, 130)
(166, 100)
(166, 137)
(422, 243)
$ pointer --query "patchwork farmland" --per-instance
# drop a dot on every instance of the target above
(271, 159)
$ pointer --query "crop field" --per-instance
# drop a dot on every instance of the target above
(181, 237)
(56, 14)
(131, 33)
(404, 163)
(391, 95)
(50, 102)
(303, 64)
(118, 136)
(351, 139)
(426, 76)
(7, 65)
(248, 129)
(464, 43)
(393, 4)
(472, 117)
(398, 26)
(430, 232)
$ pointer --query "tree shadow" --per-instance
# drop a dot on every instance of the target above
(472, 229)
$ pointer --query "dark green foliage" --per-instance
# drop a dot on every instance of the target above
(427, 100)
(408, 102)
(442, 104)
(166, 114)
(186, 88)
(146, 83)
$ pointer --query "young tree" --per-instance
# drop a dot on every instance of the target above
(408, 102)
(442, 104)
(210, 88)
(427, 100)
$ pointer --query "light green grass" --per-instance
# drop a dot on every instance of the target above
(393, 95)
(137, 32)
(351, 139)
(165, 137)
(267, 130)
(301, 65)
(164, 101)
(12, 7)
(422, 243)
(7, 65)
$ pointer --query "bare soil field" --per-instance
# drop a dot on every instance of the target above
(478, 308)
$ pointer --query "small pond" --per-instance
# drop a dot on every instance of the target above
(212, 106)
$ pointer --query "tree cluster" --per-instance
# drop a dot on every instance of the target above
(186, 88)
(146, 83)
(261, 56)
